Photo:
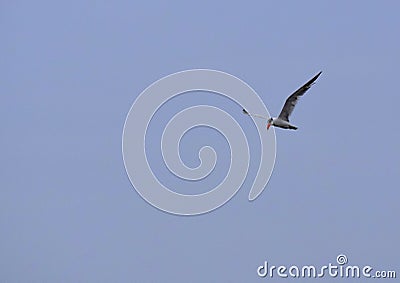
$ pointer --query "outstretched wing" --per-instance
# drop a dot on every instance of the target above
(254, 115)
(292, 99)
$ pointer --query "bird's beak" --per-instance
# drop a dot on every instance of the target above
(269, 125)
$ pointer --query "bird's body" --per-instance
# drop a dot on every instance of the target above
(277, 122)
(282, 121)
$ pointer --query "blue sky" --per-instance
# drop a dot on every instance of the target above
(69, 75)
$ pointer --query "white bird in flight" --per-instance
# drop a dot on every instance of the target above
(282, 121)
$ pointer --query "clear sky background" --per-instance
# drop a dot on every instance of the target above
(69, 73)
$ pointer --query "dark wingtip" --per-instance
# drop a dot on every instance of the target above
(245, 111)
(311, 82)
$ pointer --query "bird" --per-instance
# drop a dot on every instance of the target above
(282, 121)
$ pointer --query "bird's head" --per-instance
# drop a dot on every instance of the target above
(270, 122)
